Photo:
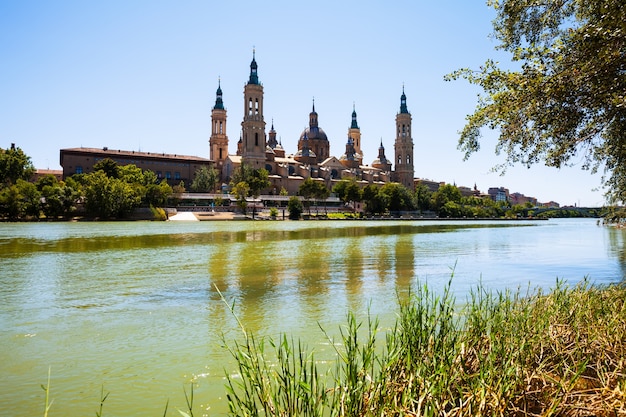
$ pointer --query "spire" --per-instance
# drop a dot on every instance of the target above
(313, 118)
(219, 104)
(403, 108)
(254, 77)
(354, 123)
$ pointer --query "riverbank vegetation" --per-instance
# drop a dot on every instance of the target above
(503, 354)
(114, 191)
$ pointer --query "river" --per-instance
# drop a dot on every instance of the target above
(133, 308)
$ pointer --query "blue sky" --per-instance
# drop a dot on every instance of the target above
(142, 75)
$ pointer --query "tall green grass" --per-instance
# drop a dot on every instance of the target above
(498, 354)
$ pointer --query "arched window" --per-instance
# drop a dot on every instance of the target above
(256, 139)
(250, 107)
(256, 106)
(408, 160)
(399, 159)
(221, 128)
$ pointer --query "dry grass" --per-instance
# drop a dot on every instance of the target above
(506, 354)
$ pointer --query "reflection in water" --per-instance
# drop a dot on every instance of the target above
(617, 247)
(135, 306)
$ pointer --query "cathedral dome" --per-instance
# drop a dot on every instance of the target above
(315, 133)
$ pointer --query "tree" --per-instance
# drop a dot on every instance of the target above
(294, 207)
(205, 180)
(444, 194)
(108, 166)
(158, 194)
(565, 101)
(14, 165)
(422, 197)
(348, 191)
(312, 189)
(241, 190)
(258, 181)
(399, 196)
(110, 197)
(376, 202)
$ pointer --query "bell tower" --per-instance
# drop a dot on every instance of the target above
(355, 133)
(218, 143)
(253, 125)
(403, 146)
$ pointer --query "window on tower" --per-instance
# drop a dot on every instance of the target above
(256, 139)
(256, 106)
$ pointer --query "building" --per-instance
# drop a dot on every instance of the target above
(174, 168)
(312, 159)
(498, 193)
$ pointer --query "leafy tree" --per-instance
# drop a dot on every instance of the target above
(110, 197)
(10, 202)
(30, 196)
(564, 100)
(158, 194)
(205, 180)
(399, 196)
(108, 166)
(241, 190)
(376, 202)
(256, 179)
(445, 193)
(14, 165)
(294, 207)
(312, 189)
(422, 197)
(348, 191)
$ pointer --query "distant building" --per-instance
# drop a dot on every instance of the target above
(431, 185)
(40, 173)
(498, 193)
(173, 168)
(521, 199)
(312, 159)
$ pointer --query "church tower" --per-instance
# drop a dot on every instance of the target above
(355, 133)
(218, 143)
(253, 125)
(404, 171)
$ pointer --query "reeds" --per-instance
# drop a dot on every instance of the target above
(499, 354)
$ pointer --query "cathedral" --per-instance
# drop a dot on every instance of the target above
(312, 158)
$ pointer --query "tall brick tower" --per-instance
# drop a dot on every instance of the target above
(404, 170)
(253, 125)
(218, 143)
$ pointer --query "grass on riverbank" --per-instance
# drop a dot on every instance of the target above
(504, 354)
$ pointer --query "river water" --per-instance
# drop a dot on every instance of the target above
(133, 308)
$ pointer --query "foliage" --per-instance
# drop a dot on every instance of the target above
(273, 212)
(108, 197)
(294, 206)
(241, 191)
(257, 179)
(108, 166)
(422, 197)
(205, 180)
(565, 100)
(375, 201)
(499, 354)
(158, 213)
(399, 197)
(14, 165)
(348, 191)
(158, 194)
(313, 189)
(444, 194)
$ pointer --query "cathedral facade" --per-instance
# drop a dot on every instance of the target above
(312, 158)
